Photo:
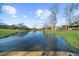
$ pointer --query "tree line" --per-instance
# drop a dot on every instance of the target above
(18, 26)
(68, 13)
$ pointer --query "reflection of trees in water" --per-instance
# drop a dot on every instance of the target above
(54, 46)
(45, 34)
(52, 40)
(20, 34)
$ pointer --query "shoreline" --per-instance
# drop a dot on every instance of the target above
(8, 32)
(70, 44)
(8, 35)
(63, 35)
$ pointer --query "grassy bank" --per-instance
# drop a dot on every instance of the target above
(72, 37)
(7, 32)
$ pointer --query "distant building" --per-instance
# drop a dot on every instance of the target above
(72, 26)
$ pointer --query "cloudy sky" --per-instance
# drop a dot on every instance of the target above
(32, 15)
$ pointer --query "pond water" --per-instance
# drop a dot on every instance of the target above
(35, 41)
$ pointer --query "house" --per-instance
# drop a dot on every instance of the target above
(72, 26)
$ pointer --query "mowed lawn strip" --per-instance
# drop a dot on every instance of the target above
(7, 32)
(72, 37)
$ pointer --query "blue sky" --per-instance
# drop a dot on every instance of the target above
(29, 13)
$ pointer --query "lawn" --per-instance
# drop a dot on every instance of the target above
(72, 37)
(7, 32)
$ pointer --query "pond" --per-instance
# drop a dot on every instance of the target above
(35, 41)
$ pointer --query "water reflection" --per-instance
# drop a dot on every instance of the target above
(35, 41)
(20, 34)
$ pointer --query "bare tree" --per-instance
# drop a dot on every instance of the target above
(53, 17)
(0, 21)
(45, 26)
(69, 13)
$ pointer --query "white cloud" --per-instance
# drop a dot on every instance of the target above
(39, 12)
(10, 10)
(14, 16)
(24, 16)
(43, 14)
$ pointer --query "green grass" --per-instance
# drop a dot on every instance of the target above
(72, 37)
(7, 32)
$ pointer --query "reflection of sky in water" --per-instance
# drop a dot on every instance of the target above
(34, 41)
